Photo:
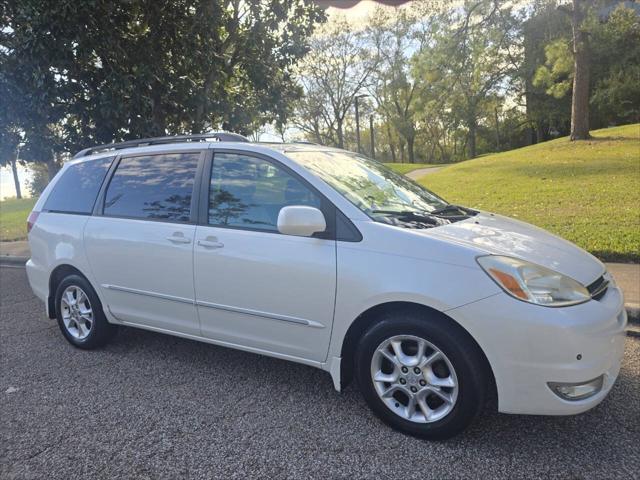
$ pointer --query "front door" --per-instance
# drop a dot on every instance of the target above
(255, 287)
(140, 247)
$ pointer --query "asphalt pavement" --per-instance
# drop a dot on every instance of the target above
(155, 406)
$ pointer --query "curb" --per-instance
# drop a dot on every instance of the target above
(633, 310)
(12, 260)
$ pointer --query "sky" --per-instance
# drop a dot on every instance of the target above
(7, 188)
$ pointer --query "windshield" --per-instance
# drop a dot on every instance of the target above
(368, 184)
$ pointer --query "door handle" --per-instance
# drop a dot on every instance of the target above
(210, 242)
(178, 237)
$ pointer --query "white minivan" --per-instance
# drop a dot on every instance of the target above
(327, 258)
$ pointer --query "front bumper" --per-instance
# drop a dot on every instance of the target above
(529, 346)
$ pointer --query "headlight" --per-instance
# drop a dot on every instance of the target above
(533, 283)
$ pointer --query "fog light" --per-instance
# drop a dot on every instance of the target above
(577, 391)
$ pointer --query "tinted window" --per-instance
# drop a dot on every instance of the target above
(249, 192)
(77, 189)
(153, 186)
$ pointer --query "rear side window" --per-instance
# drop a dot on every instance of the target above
(158, 187)
(77, 189)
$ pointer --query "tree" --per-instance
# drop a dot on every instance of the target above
(9, 149)
(473, 54)
(544, 112)
(615, 82)
(581, 71)
(556, 75)
(96, 71)
(395, 37)
(336, 69)
(614, 56)
(9, 135)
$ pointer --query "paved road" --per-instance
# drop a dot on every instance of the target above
(153, 406)
(421, 172)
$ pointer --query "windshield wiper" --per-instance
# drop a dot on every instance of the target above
(413, 216)
(453, 208)
(399, 213)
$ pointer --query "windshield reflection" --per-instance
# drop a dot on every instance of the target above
(372, 187)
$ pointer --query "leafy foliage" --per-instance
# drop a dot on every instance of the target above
(95, 71)
(337, 69)
(614, 43)
(453, 80)
(556, 75)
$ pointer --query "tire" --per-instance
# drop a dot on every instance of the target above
(80, 315)
(450, 357)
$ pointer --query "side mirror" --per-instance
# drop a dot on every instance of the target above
(301, 221)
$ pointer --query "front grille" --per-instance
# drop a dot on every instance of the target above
(598, 288)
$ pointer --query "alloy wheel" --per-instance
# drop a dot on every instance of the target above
(414, 379)
(77, 314)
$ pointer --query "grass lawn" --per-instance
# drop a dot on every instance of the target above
(13, 218)
(587, 192)
(404, 168)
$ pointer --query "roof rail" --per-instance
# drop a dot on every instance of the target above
(143, 142)
(295, 142)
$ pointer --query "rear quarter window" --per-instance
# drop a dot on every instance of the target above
(77, 189)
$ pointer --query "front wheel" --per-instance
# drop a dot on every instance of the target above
(421, 376)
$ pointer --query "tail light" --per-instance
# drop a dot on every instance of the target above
(31, 221)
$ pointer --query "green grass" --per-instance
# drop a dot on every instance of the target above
(405, 168)
(13, 218)
(587, 192)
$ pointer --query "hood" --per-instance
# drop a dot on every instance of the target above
(498, 235)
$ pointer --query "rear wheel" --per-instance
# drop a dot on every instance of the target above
(79, 313)
(423, 377)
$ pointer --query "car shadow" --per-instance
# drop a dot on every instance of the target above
(308, 387)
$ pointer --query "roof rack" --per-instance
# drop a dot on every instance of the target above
(143, 142)
(295, 142)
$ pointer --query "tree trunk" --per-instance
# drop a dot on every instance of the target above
(497, 130)
(391, 146)
(580, 96)
(540, 133)
(472, 138)
(16, 180)
(52, 168)
(340, 133)
(527, 98)
(410, 152)
(529, 136)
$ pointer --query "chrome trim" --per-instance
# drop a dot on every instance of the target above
(222, 343)
(149, 294)
(258, 313)
(217, 306)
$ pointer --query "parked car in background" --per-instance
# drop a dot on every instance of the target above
(327, 258)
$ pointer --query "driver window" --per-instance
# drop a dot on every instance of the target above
(248, 192)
